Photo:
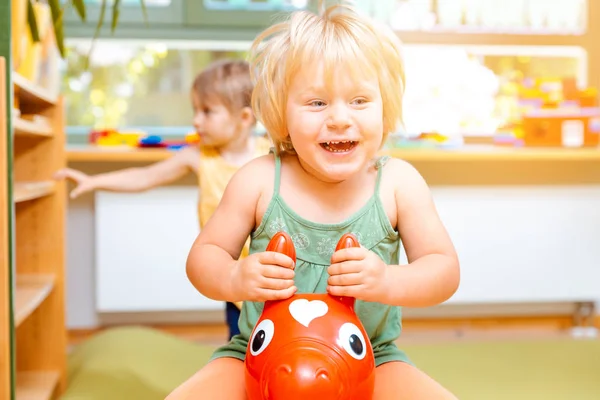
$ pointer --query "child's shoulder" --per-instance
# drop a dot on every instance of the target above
(398, 166)
(401, 174)
(250, 180)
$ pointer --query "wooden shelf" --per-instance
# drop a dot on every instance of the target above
(5, 244)
(36, 385)
(36, 235)
(25, 191)
(88, 153)
(31, 291)
(23, 127)
(31, 97)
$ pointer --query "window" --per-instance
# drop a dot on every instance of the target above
(255, 5)
(130, 12)
(137, 3)
(513, 16)
(457, 90)
(142, 85)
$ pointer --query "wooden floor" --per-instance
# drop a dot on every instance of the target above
(414, 331)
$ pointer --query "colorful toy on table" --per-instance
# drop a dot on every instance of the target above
(112, 137)
(157, 141)
(310, 345)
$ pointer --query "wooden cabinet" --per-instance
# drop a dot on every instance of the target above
(33, 336)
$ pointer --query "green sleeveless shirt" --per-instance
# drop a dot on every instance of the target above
(315, 243)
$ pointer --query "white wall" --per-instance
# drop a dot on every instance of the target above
(517, 244)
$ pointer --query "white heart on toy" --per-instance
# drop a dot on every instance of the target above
(305, 311)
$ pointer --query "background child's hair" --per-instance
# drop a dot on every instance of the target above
(339, 35)
(225, 81)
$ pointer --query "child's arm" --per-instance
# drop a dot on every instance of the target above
(134, 179)
(432, 275)
(212, 265)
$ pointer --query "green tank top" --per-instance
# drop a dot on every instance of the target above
(315, 243)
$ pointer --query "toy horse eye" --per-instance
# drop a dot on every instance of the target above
(353, 341)
(263, 334)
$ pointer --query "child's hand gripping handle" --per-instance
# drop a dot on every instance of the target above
(282, 243)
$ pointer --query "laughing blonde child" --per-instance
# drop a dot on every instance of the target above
(329, 91)
(223, 119)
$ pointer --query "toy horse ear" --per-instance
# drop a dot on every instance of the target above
(282, 243)
(346, 241)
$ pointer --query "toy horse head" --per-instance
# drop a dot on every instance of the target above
(310, 345)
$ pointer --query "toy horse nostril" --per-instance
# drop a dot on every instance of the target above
(300, 381)
(284, 370)
(322, 374)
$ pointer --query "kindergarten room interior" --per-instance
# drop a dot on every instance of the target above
(502, 119)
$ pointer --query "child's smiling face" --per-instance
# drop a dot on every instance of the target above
(335, 120)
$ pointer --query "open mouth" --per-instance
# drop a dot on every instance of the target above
(339, 146)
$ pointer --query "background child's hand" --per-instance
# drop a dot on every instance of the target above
(83, 181)
(359, 273)
(264, 276)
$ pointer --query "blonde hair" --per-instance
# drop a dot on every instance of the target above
(339, 35)
(227, 82)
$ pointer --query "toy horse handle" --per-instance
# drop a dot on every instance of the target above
(282, 243)
(346, 241)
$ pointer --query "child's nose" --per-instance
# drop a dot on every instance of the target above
(198, 120)
(339, 117)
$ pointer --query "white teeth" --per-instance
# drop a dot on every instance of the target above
(343, 141)
(329, 148)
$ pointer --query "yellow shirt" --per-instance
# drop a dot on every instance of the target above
(214, 175)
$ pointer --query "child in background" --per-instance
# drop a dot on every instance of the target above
(223, 119)
(329, 91)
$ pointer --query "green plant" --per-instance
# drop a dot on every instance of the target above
(57, 12)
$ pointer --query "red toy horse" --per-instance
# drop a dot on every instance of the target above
(310, 345)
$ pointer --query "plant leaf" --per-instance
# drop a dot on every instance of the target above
(97, 31)
(57, 22)
(144, 11)
(100, 19)
(115, 15)
(32, 21)
(80, 7)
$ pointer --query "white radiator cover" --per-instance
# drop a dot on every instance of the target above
(142, 243)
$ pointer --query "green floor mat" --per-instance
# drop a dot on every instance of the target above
(514, 370)
(131, 363)
(140, 363)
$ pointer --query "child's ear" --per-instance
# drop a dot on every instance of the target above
(247, 116)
